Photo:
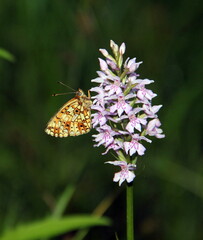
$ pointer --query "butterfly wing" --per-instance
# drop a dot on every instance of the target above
(73, 119)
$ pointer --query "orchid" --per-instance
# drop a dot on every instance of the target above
(126, 172)
(124, 116)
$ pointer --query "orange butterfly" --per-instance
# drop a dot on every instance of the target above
(73, 119)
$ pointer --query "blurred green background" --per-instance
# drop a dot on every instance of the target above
(52, 41)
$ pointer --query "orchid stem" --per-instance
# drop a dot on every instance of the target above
(129, 212)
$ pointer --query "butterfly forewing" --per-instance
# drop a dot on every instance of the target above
(73, 119)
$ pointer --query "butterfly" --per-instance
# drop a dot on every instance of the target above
(73, 118)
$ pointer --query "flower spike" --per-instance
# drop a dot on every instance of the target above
(123, 112)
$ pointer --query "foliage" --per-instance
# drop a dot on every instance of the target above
(52, 227)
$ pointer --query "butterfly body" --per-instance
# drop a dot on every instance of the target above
(73, 118)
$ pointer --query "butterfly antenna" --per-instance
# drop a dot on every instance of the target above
(58, 94)
(67, 86)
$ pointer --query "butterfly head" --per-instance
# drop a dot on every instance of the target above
(80, 93)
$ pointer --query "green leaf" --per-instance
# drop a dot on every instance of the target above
(6, 55)
(63, 201)
(51, 227)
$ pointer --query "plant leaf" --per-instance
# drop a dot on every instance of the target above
(51, 227)
(6, 55)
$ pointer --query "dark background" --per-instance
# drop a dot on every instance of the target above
(59, 41)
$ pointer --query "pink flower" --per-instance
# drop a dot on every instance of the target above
(104, 52)
(122, 49)
(103, 65)
(135, 123)
(105, 136)
(131, 65)
(145, 94)
(112, 64)
(154, 130)
(114, 47)
(116, 145)
(151, 110)
(126, 172)
(99, 118)
(99, 99)
(135, 146)
(114, 88)
(121, 106)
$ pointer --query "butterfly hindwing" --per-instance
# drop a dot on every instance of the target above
(73, 119)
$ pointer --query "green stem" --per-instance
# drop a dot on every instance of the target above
(129, 212)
